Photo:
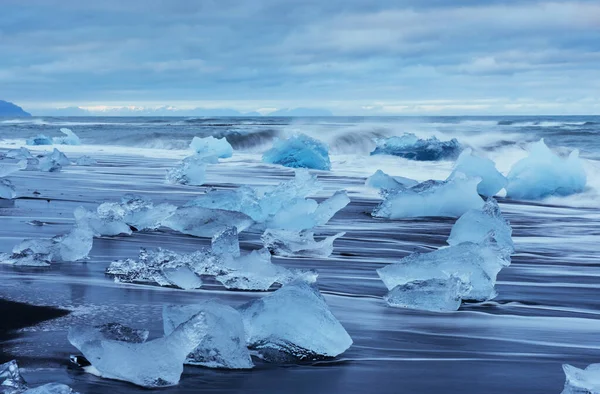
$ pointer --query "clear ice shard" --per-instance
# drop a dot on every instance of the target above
(26, 258)
(299, 151)
(293, 322)
(73, 246)
(543, 174)
(205, 222)
(224, 346)
(211, 147)
(155, 363)
(435, 295)
(476, 224)
(190, 171)
(51, 388)
(52, 162)
(409, 146)
(108, 220)
(381, 180)
(69, 138)
(11, 381)
(452, 197)
(492, 181)
(582, 381)
(475, 264)
(289, 243)
(7, 190)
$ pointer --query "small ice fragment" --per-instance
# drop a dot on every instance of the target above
(9, 168)
(51, 388)
(435, 295)
(26, 258)
(225, 344)
(86, 161)
(492, 181)
(70, 138)
(7, 190)
(182, 277)
(40, 139)
(190, 171)
(156, 363)
(108, 220)
(409, 146)
(142, 214)
(19, 154)
(205, 222)
(582, 381)
(73, 246)
(211, 146)
(452, 197)
(299, 151)
(543, 174)
(53, 162)
(291, 243)
(475, 225)
(381, 180)
(295, 322)
(226, 242)
(11, 380)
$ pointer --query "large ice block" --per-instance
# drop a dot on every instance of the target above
(190, 171)
(299, 151)
(492, 181)
(205, 222)
(7, 190)
(291, 243)
(11, 381)
(435, 295)
(69, 138)
(211, 147)
(409, 146)
(582, 381)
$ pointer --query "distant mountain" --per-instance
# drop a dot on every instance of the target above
(68, 111)
(301, 112)
(10, 109)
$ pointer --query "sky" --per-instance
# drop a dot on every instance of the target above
(352, 57)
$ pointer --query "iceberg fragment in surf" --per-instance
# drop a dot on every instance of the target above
(86, 161)
(543, 174)
(492, 181)
(475, 225)
(435, 295)
(452, 197)
(381, 180)
(155, 363)
(11, 382)
(293, 323)
(51, 388)
(582, 381)
(39, 139)
(69, 138)
(211, 147)
(73, 246)
(51, 162)
(299, 151)
(224, 346)
(291, 243)
(409, 146)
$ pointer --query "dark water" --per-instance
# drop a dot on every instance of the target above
(547, 312)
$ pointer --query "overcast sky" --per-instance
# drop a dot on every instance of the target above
(349, 56)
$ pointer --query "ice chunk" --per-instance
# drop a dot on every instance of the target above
(294, 322)
(106, 221)
(226, 243)
(205, 222)
(86, 161)
(492, 181)
(452, 197)
(190, 171)
(40, 139)
(70, 138)
(26, 258)
(142, 214)
(120, 332)
(409, 146)
(225, 344)
(582, 381)
(11, 380)
(435, 295)
(381, 180)
(53, 162)
(298, 243)
(19, 154)
(299, 151)
(476, 264)
(73, 246)
(543, 174)
(51, 388)
(182, 277)
(475, 225)
(7, 190)
(156, 363)
(211, 146)
(9, 168)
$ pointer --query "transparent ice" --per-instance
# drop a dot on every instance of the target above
(492, 181)
(211, 147)
(582, 381)
(299, 151)
(435, 295)
(205, 222)
(291, 243)
(381, 180)
(69, 138)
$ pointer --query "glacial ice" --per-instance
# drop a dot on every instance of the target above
(40, 139)
(73, 246)
(381, 180)
(492, 181)
(20, 154)
(226, 243)
(7, 190)
(52, 162)
(299, 151)
(452, 197)
(103, 222)
(51, 388)
(475, 225)
(26, 258)
(543, 174)
(476, 264)
(70, 138)
(224, 346)
(291, 243)
(86, 161)
(435, 295)
(156, 363)
(582, 381)
(190, 171)
(409, 146)
(211, 147)
(204, 222)
(11, 380)
(9, 168)
(293, 322)
(121, 332)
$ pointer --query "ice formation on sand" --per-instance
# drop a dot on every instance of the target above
(7, 190)
(51, 388)
(436, 295)
(211, 147)
(11, 382)
(204, 222)
(475, 225)
(40, 139)
(103, 222)
(26, 258)
(9, 168)
(543, 174)
(291, 243)
(475, 264)
(190, 171)
(452, 197)
(582, 381)
(86, 161)
(381, 180)
(73, 246)
(20, 154)
(294, 322)
(409, 146)
(52, 162)
(70, 138)
(156, 363)
(492, 181)
(224, 346)
(299, 151)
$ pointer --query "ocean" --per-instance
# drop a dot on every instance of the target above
(547, 311)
